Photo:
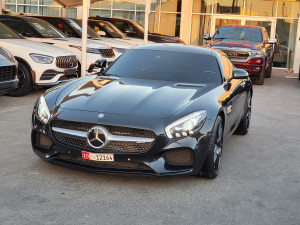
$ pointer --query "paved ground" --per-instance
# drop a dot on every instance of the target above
(259, 181)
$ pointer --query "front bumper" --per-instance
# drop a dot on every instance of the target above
(151, 162)
(6, 86)
(252, 69)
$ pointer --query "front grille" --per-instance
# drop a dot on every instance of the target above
(8, 73)
(107, 53)
(115, 130)
(107, 165)
(182, 157)
(113, 146)
(66, 62)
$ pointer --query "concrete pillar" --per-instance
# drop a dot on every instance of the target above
(297, 48)
(1, 5)
(186, 20)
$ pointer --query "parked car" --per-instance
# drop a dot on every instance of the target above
(248, 47)
(8, 72)
(108, 30)
(159, 109)
(73, 28)
(38, 64)
(40, 31)
(135, 30)
(6, 12)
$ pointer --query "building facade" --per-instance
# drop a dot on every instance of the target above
(191, 19)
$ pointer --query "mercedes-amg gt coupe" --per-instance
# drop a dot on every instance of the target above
(161, 109)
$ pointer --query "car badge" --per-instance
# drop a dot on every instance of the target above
(96, 137)
(101, 115)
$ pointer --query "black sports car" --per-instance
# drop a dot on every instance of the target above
(159, 109)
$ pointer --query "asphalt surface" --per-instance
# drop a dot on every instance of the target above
(259, 181)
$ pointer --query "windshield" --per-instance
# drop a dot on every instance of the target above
(107, 28)
(7, 33)
(239, 33)
(44, 28)
(167, 66)
(77, 25)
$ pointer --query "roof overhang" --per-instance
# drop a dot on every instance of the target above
(76, 3)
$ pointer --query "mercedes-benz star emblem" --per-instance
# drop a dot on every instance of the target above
(101, 115)
(96, 137)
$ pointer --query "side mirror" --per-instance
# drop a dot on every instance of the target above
(239, 74)
(206, 37)
(69, 33)
(101, 33)
(101, 63)
(272, 41)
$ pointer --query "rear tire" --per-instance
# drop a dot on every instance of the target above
(212, 161)
(243, 127)
(25, 81)
(268, 73)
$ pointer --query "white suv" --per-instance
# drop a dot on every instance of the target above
(38, 64)
(41, 31)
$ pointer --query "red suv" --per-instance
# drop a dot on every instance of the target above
(248, 47)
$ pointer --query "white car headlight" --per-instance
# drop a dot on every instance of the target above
(44, 59)
(187, 125)
(42, 110)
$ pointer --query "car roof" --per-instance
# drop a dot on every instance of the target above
(180, 48)
(110, 18)
(243, 26)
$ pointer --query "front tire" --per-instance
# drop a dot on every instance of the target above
(212, 161)
(261, 78)
(25, 81)
(268, 73)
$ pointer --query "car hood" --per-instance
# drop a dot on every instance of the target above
(27, 46)
(235, 44)
(112, 42)
(128, 96)
(75, 42)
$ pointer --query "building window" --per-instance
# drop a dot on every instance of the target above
(260, 7)
(228, 7)
(202, 6)
(200, 26)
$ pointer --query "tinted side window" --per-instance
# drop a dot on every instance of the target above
(19, 26)
(59, 24)
(123, 26)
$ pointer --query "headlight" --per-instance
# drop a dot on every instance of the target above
(256, 52)
(42, 110)
(186, 125)
(120, 50)
(44, 59)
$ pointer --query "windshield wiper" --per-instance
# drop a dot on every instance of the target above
(219, 38)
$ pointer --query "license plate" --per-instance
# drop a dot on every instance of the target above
(98, 156)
